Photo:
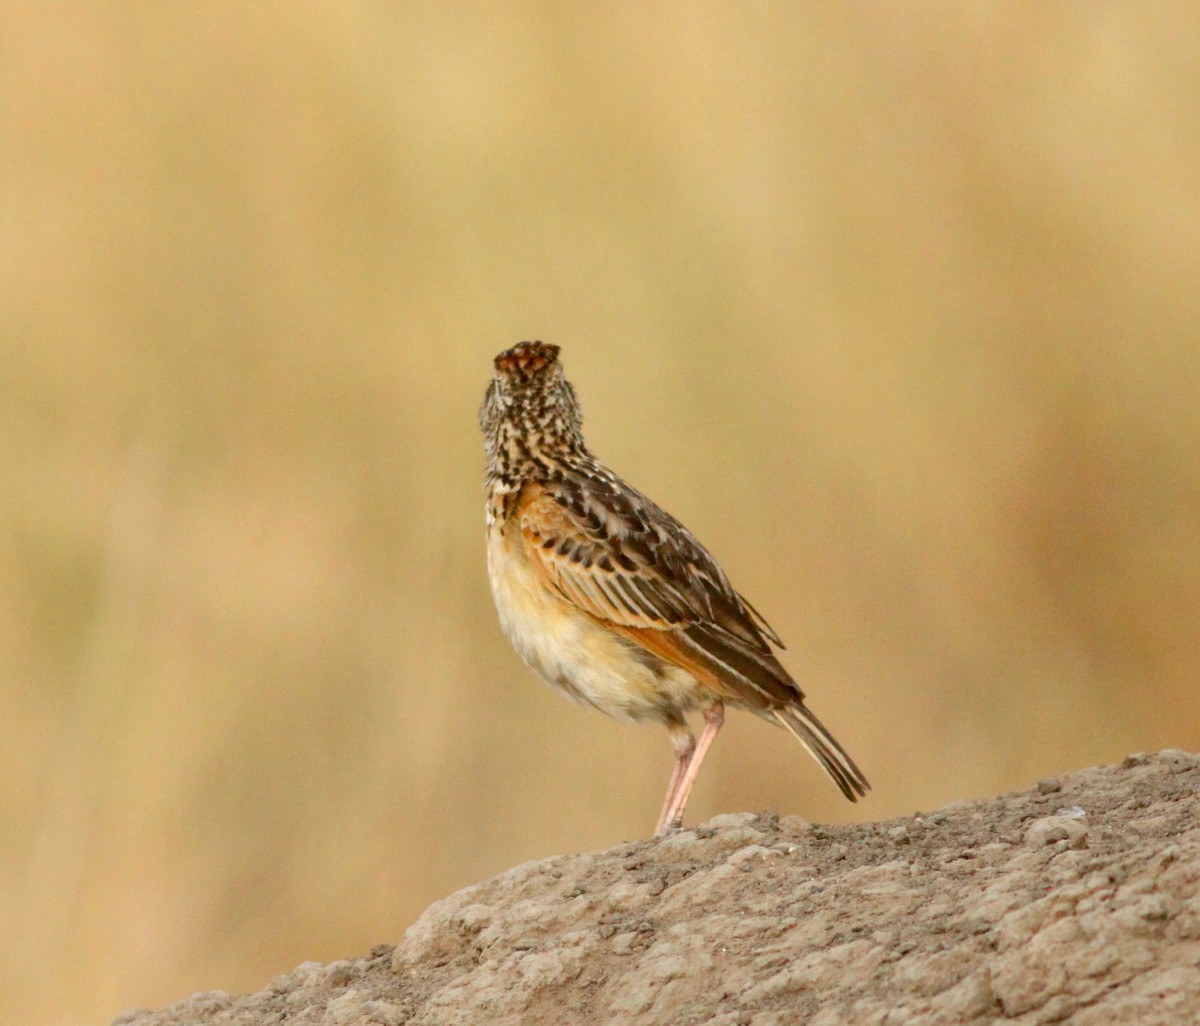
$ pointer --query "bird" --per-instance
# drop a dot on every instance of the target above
(612, 600)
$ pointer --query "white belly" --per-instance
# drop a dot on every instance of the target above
(572, 651)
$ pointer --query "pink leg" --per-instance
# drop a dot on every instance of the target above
(685, 745)
(673, 814)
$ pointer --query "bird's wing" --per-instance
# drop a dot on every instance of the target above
(626, 563)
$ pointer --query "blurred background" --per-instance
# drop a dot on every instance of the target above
(896, 306)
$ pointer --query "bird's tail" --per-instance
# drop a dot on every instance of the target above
(822, 746)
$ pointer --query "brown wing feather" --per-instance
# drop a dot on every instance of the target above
(669, 598)
(595, 573)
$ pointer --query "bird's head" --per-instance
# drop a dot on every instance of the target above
(530, 409)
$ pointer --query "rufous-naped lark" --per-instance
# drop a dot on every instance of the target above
(610, 598)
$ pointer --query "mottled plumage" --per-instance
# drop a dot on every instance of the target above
(609, 597)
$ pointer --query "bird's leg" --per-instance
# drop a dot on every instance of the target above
(685, 745)
(672, 815)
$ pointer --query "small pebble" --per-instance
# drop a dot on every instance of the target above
(729, 820)
(1053, 829)
(1177, 760)
(209, 1002)
(622, 943)
(337, 974)
(750, 856)
(678, 841)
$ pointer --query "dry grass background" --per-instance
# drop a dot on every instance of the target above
(895, 305)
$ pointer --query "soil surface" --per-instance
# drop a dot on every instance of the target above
(1075, 901)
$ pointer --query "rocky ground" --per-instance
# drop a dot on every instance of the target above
(1075, 901)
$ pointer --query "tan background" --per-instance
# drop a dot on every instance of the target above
(896, 306)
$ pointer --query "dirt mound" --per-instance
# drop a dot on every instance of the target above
(1076, 901)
